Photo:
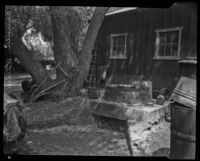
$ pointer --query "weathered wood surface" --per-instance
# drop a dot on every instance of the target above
(140, 24)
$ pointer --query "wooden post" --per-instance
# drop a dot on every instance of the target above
(128, 136)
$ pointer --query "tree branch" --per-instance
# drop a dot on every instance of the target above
(88, 45)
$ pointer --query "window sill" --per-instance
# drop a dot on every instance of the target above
(117, 58)
(166, 58)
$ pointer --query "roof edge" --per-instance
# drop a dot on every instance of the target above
(121, 10)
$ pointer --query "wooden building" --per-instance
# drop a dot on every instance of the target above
(146, 41)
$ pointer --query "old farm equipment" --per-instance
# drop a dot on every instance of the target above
(34, 90)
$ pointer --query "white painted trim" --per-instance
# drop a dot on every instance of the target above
(118, 57)
(156, 56)
(111, 46)
(166, 58)
(169, 29)
(179, 41)
(188, 61)
(121, 10)
(122, 34)
(157, 44)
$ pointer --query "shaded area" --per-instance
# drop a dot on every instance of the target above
(72, 130)
(75, 140)
(53, 113)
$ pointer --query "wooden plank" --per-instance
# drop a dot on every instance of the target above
(143, 24)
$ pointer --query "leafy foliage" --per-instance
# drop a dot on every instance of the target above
(18, 18)
(77, 18)
(35, 42)
(32, 24)
(86, 14)
(17, 21)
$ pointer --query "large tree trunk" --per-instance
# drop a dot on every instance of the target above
(62, 49)
(63, 52)
(34, 67)
(88, 45)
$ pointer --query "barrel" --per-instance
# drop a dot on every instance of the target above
(183, 120)
(187, 67)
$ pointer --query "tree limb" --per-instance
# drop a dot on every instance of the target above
(88, 45)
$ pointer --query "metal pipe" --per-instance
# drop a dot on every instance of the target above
(63, 71)
(53, 86)
(44, 80)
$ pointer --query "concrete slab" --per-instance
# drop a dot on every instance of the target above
(122, 111)
(141, 120)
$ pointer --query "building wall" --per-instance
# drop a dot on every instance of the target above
(140, 24)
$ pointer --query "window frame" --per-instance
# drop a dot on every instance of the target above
(157, 43)
(124, 56)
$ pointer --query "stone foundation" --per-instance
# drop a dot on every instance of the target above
(141, 121)
(121, 111)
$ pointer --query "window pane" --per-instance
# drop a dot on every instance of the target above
(175, 50)
(123, 40)
(114, 52)
(121, 46)
(114, 42)
(117, 51)
(168, 37)
(123, 50)
(175, 37)
(161, 50)
(114, 49)
(118, 45)
(119, 40)
(162, 38)
(120, 52)
(168, 50)
(168, 43)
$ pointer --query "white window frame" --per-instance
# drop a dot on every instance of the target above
(157, 43)
(111, 47)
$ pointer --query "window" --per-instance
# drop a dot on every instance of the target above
(168, 43)
(118, 46)
(91, 78)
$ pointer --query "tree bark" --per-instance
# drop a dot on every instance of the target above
(62, 49)
(88, 45)
(63, 52)
(34, 67)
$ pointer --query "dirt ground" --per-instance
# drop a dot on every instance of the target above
(80, 136)
(67, 128)
(74, 140)
(85, 140)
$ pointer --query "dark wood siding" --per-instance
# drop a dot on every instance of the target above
(140, 24)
